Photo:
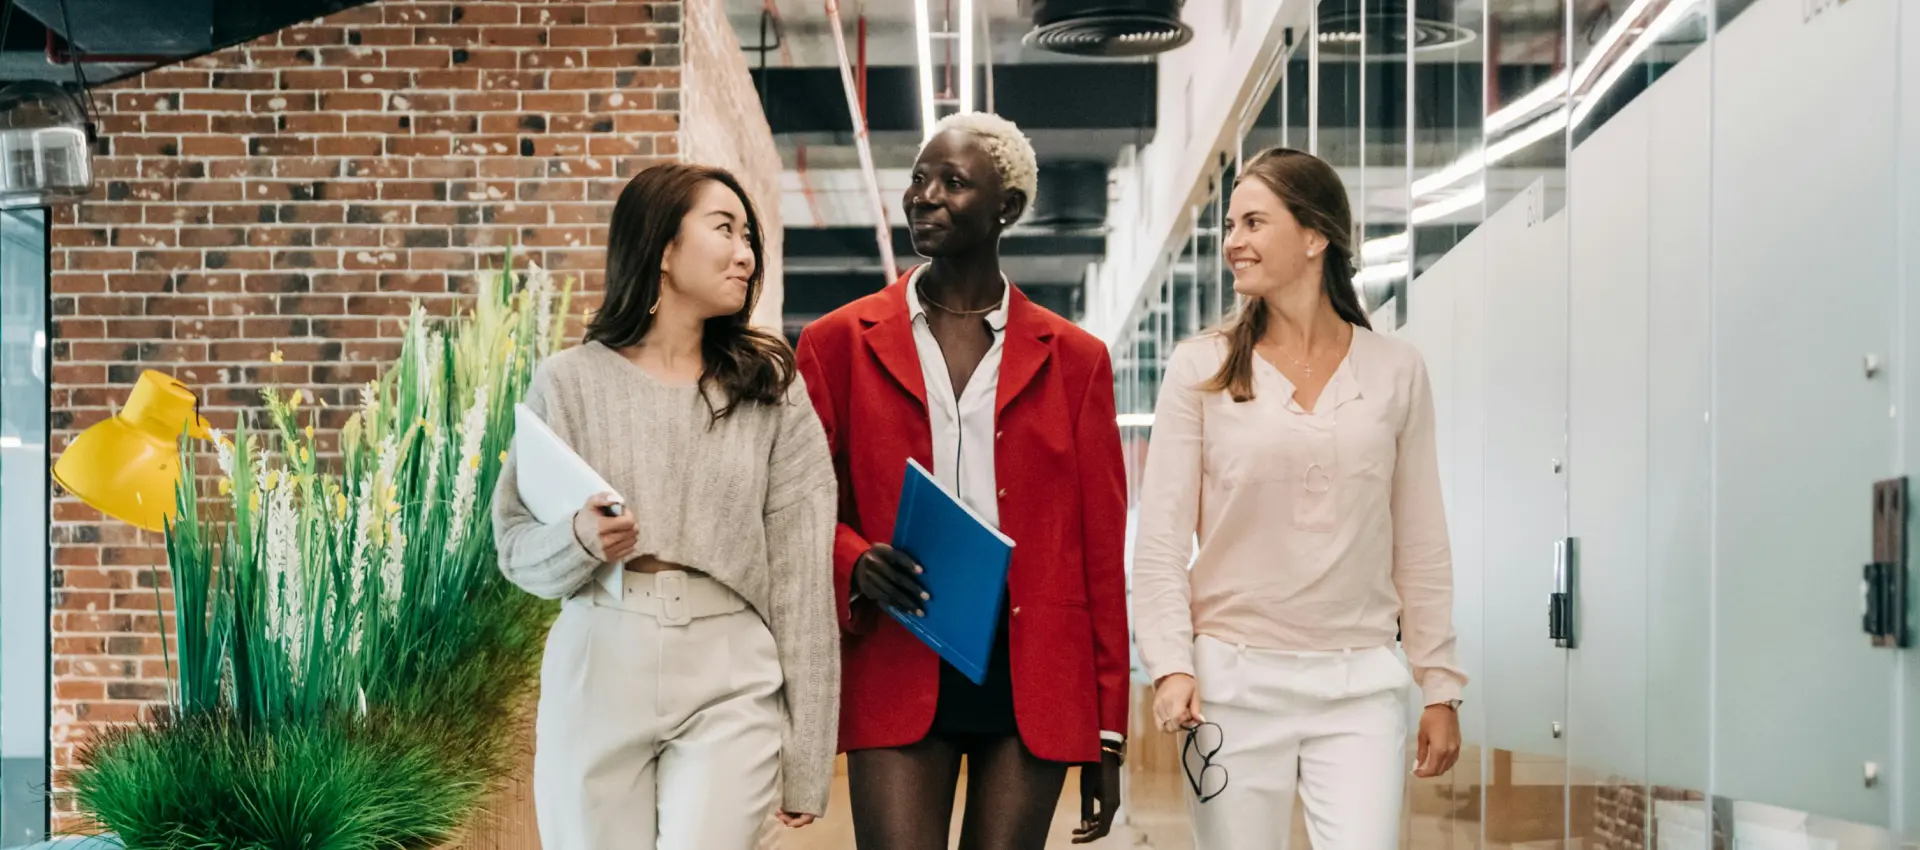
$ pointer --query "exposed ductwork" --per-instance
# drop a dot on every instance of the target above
(1108, 27)
(1073, 198)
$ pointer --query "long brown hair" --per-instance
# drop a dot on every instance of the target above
(744, 362)
(1313, 193)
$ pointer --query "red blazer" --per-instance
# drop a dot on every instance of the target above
(1062, 484)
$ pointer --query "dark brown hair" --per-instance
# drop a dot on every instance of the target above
(744, 362)
(1313, 193)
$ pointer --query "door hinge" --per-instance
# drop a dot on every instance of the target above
(1566, 578)
(1884, 581)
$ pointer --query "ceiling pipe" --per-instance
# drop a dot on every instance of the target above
(58, 54)
(883, 232)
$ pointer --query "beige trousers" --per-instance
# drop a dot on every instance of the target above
(1330, 726)
(660, 719)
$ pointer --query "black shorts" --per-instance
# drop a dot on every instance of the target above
(964, 708)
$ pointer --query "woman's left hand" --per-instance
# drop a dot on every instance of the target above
(1099, 797)
(1439, 741)
(793, 821)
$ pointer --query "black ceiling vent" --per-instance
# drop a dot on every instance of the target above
(1379, 27)
(1073, 198)
(1108, 27)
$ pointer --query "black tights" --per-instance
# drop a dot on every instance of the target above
(903, 798)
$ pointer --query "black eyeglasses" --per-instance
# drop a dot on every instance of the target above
(1203, 743)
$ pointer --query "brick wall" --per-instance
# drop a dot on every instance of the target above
(298, 192)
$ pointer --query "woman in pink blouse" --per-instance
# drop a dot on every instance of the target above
(1298, 445)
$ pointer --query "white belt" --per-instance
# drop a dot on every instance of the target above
(674, 597)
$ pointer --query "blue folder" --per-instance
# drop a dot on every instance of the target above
(965, 562)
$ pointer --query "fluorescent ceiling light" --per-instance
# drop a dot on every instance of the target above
(1528, 103)
(923, 36)
(1611, 39)
(1384, 248)
(1559, 87)
(1448, 206)
(965, 23)
(1676, 11)
(1382, 273)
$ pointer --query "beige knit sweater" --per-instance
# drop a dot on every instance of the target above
(749, 501)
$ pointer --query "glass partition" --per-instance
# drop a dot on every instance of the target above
(23, 526)
(1656, 255)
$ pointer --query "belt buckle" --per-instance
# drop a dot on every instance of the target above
(671, 589)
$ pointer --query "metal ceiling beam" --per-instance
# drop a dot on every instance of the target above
(809, 100)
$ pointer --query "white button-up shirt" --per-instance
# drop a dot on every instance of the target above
(962, 425)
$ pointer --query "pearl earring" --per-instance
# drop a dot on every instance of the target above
(1003, 222)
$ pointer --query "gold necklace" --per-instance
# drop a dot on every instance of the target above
(1296, 361)
(922, 290)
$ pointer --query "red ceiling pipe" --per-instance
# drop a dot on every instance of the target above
(860, 71)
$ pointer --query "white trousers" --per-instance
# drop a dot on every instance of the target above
(660, 720)
(1330, 725)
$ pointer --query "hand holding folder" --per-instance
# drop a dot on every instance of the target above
(555, 481)
(963, 562)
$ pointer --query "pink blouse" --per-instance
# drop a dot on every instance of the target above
(1318, 530)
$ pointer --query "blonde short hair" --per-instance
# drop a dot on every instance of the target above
(1011, 151)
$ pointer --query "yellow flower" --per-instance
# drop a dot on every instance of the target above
(474, 462)
(310, 427)
(226, 486)
(503, 455)
(277, 357)
(393, 493)
(273, 480)
(340, 505)
(305, 456)
(293, 401)
(253, 501)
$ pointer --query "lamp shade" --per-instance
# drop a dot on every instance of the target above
(128, 466)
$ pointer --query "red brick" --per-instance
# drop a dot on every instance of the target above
(313, 79)
(350, 145)
(419, 147)
(495, 59)
(454, 81)
(581, 37)
(313, 123)
(552, 58)
(213, 146)
(419, 57)
(175, 122)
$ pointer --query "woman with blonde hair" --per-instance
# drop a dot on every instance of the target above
(1298, 446)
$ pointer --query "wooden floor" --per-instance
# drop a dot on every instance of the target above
(1523, 804)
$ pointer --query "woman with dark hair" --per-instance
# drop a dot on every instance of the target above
(1298, 446)
(1011, 407)
(691, 682)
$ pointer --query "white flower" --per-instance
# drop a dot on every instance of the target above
(223, 450)
(393, 566)
(370, 508)
(285, 593)
(472, 429)
(540, 288)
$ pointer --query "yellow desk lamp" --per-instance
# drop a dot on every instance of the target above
(128, 466)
